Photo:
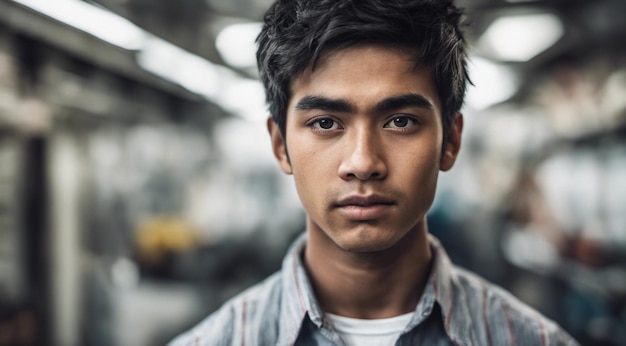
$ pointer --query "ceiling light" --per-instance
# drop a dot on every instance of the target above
(176, 65)
(240, 96)
(493, 83)
(521, 37)
(236, 44)
(91, 19)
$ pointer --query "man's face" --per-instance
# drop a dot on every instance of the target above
(363, 142)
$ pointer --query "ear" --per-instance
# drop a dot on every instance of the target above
(453, 145)
(278, 146)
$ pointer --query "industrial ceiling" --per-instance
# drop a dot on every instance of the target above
(194, 24)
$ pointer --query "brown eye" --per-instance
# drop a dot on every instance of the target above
(400, 122)
(324, 124)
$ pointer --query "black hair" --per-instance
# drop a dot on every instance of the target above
(297, 32)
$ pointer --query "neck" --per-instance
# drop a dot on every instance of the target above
(369, 285)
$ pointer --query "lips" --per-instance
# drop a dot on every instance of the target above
(363, 208)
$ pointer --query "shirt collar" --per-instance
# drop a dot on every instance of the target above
(298, 303)
(444, 288)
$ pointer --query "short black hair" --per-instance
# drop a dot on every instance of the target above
(297, 32)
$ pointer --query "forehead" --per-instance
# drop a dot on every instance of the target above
(365, 74)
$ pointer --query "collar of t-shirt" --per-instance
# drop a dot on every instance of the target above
(354, 331)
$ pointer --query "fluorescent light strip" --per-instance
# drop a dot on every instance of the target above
(91, 19)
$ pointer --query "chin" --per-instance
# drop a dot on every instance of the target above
(366, 239)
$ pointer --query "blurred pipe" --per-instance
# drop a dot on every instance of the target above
(65, 178)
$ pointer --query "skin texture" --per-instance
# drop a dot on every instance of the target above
(364, 145)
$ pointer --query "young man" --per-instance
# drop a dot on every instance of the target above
(365, 98)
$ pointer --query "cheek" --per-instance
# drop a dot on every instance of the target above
(310, 159)
(417, 157)
(308, 171)
(420, 171)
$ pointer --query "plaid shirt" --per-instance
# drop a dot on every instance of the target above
(456, 308)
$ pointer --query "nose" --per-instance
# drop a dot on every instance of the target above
(364, 157)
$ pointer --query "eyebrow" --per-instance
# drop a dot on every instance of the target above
(325, 104)
(403, 101)
(386, 105)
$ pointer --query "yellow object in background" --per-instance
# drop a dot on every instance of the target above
(162, 235)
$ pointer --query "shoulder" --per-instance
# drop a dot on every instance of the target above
(253, 312)
(504, 318)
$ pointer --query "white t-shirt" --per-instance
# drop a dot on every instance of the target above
(354, 331)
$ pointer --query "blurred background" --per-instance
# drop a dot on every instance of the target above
(138, 190)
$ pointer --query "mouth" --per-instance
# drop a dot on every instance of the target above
(364, 208)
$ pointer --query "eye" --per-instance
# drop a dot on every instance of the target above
(324, 124)
(400, 122)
